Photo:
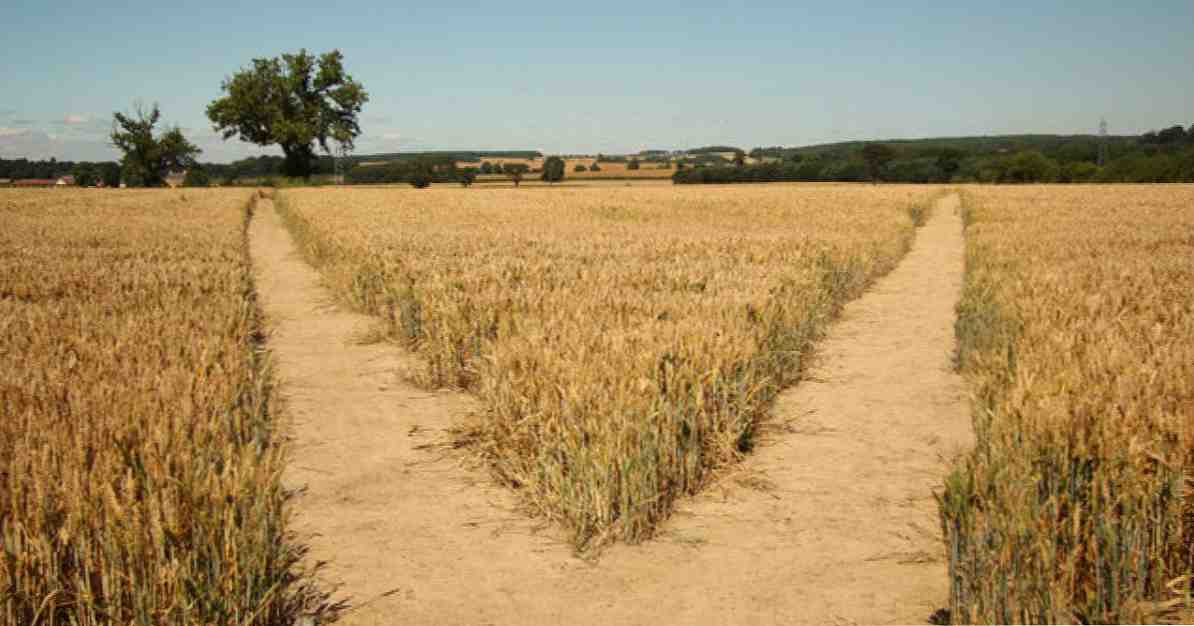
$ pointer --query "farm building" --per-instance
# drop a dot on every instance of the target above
(5, 182)
(65, 181)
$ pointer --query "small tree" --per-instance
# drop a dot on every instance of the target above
(594, 167)
(633, 164)
(486, 167)
(553, 170)
(515, 171)
(739, 158)
(148, 159)
(467, 176)
(580, 167)
(420, 174)
(876, 156)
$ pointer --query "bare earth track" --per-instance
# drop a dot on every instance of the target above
(830, 521)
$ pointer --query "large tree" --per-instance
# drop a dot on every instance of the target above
(148, 159)
(876, 156)
(295, 102)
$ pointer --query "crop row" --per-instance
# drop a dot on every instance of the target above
(140, 463)
(625, 342)
(1076, 332)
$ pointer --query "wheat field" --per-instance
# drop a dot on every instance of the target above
(140, 460)
(1076, 332)
(625, 342)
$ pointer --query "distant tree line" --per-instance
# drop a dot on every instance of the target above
(414, 171)
(1156, 156)
(713, 149)
(498, 168)
(251, 170)
(86, 173)
(442, 169)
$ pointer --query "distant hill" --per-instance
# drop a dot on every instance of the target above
(1156, 156)
(1076, 147)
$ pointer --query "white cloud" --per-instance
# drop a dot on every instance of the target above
(36, 144)
(74, 119)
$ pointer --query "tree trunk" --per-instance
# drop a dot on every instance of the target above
(298, 163)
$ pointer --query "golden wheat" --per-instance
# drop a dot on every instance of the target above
(1076, 329)
(139, 466)
(624, 341)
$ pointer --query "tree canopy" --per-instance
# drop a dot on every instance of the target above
(295, 102)
(148, 159)
(553, 170)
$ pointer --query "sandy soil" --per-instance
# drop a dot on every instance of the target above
(830, 521)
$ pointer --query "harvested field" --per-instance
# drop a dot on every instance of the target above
(625, 343)
(616, 170)
(139, 458)
(1076, 331)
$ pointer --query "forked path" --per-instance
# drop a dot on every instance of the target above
(831, 520)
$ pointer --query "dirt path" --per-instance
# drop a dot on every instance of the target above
(830, 521)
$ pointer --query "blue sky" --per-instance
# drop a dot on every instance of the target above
(609, 76)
